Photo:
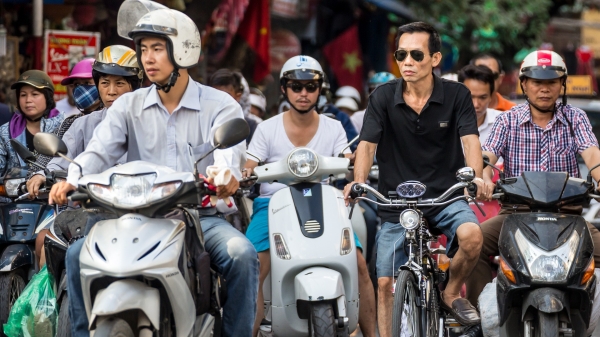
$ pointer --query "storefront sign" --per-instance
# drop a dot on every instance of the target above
(62, 50)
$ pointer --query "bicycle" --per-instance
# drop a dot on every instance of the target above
(416, 310)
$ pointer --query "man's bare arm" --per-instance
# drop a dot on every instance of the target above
(362, 165)
(591, 157)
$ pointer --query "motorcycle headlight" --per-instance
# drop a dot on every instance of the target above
(546, 266)
(11, 186)
(133, 191)
(410, 219)
(303, 162)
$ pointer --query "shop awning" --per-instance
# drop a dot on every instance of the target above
(395, 6)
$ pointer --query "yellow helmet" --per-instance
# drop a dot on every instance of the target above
(119, 61)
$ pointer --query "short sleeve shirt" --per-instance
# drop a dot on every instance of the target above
(425, 147)
(525, 146)
(271, 143)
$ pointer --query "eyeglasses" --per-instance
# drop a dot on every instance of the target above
(297, 86)
(417, 55)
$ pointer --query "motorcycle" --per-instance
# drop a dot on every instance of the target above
(313, 285)
(546, 281)
(140, 275)
(22, 219)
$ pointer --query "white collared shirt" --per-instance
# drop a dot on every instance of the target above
(486, 127)
(138, 124)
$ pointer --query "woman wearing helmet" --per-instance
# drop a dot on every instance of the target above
(35, 113)
(85, 93)
(115, 72)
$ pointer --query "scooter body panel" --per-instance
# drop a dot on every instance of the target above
(319, 248)
(137, 246)
(16, 256)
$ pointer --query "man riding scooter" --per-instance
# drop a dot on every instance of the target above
(301, 78)
(172, 123)
(555, 133)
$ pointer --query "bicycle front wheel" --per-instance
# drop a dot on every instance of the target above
(406, 314)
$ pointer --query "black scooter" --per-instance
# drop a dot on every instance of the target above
(21, 220)
(546, 281)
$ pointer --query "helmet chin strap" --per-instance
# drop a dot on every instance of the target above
(172, 79)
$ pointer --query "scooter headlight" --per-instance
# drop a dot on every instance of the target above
(410, 219)
(543, 266)
(303, 162)
(132, 192)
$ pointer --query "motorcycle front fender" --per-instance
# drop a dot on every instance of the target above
(126, 295)
(548, 300)
(15, 256)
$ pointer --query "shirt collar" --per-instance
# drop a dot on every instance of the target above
(189, 100)
(437, 95)
(525, 114)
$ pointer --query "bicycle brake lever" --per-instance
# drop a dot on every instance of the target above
(479, 207)
(353, 202)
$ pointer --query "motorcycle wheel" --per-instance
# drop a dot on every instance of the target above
(64, 321)
(113, 327)
(405, 318)
(547, 325)
(11, 287)
(321, 322)
(433, 311)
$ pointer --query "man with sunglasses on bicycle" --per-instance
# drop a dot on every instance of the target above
(418, 126)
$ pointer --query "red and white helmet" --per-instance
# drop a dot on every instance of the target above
(543, 65)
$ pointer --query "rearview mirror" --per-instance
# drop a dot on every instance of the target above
(22, 151)
(231, 133)
(49, 144)
(465, 174)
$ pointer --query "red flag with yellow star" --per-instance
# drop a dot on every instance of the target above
(256, 30)
(345, 58)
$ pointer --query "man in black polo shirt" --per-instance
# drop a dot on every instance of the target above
(419, 125)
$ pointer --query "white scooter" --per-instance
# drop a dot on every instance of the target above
(313, 286)
(135, 270)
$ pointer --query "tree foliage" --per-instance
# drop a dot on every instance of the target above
(502, 27)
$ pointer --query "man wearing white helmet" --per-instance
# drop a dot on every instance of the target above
(172, 123)
(542, 134)
(301, 80)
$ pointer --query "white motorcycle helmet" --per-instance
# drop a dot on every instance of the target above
(544, 65)
(181, 34)
(301, 68)
(348, 91)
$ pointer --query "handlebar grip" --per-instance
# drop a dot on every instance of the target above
(472, 189)
(78, 196)
(356, 191)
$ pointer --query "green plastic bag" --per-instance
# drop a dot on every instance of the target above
(35, 312)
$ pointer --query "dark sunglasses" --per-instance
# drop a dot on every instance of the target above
(297, 86)
(417, 55)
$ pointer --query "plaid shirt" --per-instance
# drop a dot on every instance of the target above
(525, 146)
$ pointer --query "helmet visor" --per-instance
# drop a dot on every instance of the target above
(154, 29)
(115, 69)
(303, 75)
(543, 73)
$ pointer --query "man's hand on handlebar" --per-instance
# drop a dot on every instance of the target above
(348, 191)
(33, 185)
(58, 194)
(485, 189)
(225, 191)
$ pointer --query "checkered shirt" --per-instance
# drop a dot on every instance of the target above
(525, 146)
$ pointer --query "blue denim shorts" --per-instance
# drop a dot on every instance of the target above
(390, 239)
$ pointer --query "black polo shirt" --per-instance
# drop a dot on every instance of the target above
(425, 147)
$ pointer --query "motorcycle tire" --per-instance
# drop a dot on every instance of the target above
(321, 322)
(64, 321)
(113, 327)
(11, 287)
(547, 325)
(406, 314)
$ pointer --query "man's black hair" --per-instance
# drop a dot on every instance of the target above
(225, 77)
(486, 56)
(478, 73)
(435, 42)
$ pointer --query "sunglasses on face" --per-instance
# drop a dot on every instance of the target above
(297, 86)
(417, 55)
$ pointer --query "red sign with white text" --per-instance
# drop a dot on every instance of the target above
(62, 50)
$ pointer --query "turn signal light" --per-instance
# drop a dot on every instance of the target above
(507, 271)
(280, 247)
(3, 190)
(346, 243)
(589, 272)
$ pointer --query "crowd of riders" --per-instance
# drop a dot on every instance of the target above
(418, 127)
